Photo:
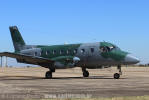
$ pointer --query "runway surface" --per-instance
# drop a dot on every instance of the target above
(26, 83)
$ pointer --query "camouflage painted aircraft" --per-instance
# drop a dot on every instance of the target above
(85, 55)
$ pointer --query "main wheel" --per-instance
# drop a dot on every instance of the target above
(48, 75)
(85, 74)
(116, 76)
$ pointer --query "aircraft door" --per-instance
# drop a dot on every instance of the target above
(87, 54)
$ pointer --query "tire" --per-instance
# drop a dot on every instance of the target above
(48, 75)
(85, 74)
(116, 76)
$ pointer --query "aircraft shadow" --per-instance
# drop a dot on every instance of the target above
(91, 77)
(54, 78)
(20, 78)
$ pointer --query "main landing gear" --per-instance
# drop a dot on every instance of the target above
(48, 74)
(85, 72)
(117, 75)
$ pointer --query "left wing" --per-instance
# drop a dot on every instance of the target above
(44, 62)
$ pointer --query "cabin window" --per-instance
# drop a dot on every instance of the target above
(68, 51)
(35, 53)
(47, 52)
(54, 51)
(75, 51)
(61, 51)
(41, 52)
(82, 50)
(92, 50)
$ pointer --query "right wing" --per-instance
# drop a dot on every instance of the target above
(44, 62)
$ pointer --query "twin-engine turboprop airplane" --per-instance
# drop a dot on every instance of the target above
(84, 55)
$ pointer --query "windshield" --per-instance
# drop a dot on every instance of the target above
(107, 47)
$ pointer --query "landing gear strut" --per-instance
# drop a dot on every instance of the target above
(85, 72)
(48, 74)
(117, 75)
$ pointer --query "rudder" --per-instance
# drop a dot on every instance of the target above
(17, 39)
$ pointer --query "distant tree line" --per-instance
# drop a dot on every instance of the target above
(144, 65)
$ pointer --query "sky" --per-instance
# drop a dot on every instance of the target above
(122, 22)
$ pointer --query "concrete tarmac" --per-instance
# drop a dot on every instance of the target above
(20, 83)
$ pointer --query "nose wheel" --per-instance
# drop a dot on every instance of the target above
(85, 72)
(117, 75)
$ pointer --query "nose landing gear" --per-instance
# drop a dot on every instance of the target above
(117, 75)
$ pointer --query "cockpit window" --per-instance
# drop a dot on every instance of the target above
(106, 48)
(103, 49)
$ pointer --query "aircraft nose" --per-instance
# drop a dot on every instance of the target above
(130, 59)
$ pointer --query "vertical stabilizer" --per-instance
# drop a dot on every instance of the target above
(17, 39)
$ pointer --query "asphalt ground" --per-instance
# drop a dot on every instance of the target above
(25, 83)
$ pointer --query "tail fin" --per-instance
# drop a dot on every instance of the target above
(17, 39)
